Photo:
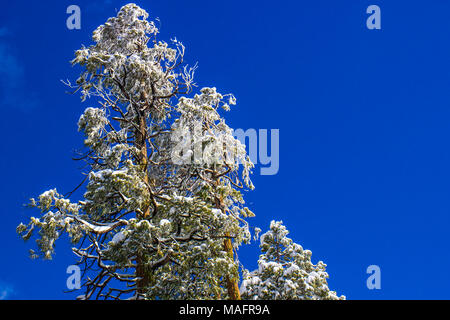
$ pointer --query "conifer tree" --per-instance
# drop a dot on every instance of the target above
(285, 271)
(157, 220)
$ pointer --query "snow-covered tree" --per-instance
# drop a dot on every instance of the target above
(285, 271)
(156, 220)
(162, 213)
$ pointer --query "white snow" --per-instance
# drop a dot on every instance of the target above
(118, 237)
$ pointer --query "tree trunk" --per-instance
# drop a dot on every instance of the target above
(232, 284)
(140, 142)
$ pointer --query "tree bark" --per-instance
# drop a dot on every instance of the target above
(232, 284)
(140, 142)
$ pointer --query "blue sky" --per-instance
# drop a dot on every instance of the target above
(364, 119)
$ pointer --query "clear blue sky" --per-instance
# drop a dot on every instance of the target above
(364, 119)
